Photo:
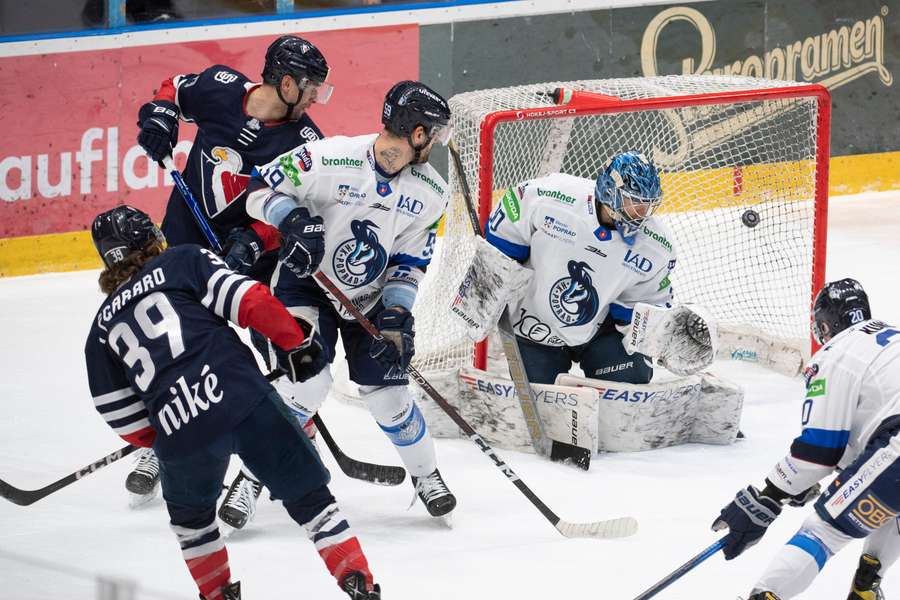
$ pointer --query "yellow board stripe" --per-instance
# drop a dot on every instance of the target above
(71, 251)
(74, 250)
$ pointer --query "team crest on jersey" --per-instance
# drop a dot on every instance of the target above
(359, 260)
(226, 181)
(383, 189)
(603, 234)
(573, 299)
(304, 159)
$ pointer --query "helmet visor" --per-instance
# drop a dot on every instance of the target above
(318, 92)
(442, 134)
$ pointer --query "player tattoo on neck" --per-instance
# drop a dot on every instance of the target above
(390, 159)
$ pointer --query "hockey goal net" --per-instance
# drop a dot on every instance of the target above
(744, 170)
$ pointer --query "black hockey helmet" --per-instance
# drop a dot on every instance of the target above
(294, 56)
(838, 305)
(122, 230)
(411, 103)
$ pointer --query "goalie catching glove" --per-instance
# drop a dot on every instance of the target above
(492, 281)
(682, 339)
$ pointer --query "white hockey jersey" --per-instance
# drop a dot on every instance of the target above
(853, 386)
(375, 231)
(582, 270)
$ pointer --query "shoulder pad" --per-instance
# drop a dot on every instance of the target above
(427, 175)
(658, 234)
(224, 75)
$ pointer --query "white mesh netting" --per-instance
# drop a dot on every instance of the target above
(718, 161)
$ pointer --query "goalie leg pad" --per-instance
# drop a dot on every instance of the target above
(489, 403)
(492, 281)
(401, 420)
(645, 416)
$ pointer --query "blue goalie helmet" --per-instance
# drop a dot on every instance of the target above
(629, 186)
(838, 305)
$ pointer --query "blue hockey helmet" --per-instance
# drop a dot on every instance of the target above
(838, 305)
(122, 230)
(629, 186)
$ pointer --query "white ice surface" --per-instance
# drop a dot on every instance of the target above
(499, 547)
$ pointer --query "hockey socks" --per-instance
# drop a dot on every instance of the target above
(206, 558)
(402, 422)
(338, 546)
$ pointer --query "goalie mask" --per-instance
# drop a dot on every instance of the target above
(838, 305)
(122, 230)
(629, 186)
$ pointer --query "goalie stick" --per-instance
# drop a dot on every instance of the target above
(612, 528)
(356, 469)
(557, 451)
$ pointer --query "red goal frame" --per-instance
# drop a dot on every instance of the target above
(588, 103)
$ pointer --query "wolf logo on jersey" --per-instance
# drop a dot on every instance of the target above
(573, 299)
(360, 260)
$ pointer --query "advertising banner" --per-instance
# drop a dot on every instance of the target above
(69, 145)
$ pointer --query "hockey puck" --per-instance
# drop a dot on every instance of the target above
(750, 218)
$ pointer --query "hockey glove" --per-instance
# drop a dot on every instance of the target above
(746, 517)
(307, 359)
(302, 242)
(243, 248)
(158, 121)
(398, 332)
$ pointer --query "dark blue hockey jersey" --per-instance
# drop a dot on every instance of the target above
(229, 143)
(161, 353)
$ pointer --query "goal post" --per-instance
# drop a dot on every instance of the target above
(744, 171)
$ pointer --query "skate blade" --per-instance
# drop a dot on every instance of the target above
(447, 520)
(139, 500)
(226, 530)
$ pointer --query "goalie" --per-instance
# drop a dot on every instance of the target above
(590, 278)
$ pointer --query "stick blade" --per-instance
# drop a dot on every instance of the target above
(17, 496)
(610, 529)
(570, 454)
(377, 474)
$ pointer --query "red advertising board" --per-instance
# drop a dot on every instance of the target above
(68, 149)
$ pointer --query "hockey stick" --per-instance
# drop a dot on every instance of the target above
(29, 497)
(682, 570)
(612, 528)
(379, 474)
(356, 469)
(192, 205)
(558, 451)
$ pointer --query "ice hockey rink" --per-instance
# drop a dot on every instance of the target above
(499, 547)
